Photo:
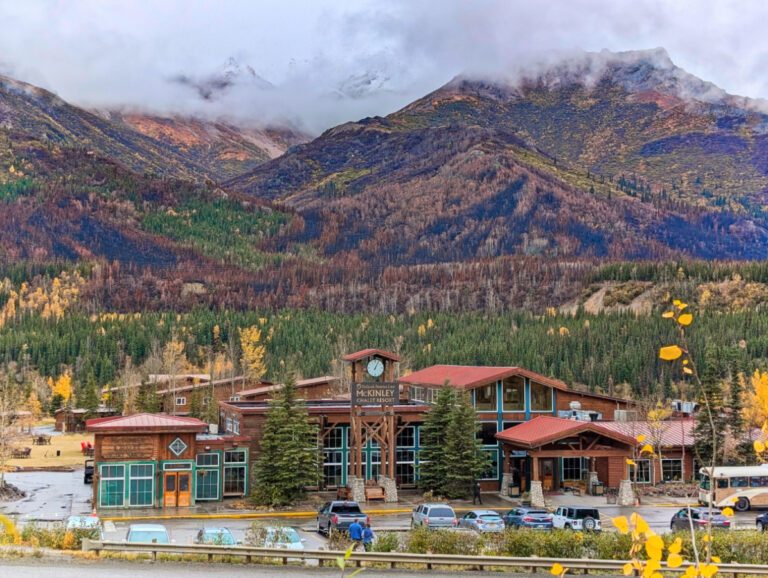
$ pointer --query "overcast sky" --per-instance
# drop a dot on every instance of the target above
(317, 53)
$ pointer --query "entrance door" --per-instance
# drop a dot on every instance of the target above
(177, 489)
(547, 474)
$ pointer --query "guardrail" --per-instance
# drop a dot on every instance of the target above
(393, 559)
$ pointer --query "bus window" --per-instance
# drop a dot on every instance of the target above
(722, 483)
(759, 482)
(740, 482)
(704, 485)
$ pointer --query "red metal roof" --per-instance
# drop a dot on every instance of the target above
(471, 376)
(667, 434)
(368, 352)
(145, 422)
(544, 429)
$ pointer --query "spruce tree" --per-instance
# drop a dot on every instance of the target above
(289, 457)
(464, 458)
(90, 395)
(711, 423)
(148, 401)
(432, 468)
(737, 426)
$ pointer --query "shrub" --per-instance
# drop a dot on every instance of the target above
(386, 542)
(425, 541)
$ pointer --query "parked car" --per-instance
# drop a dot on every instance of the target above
(482, 521)
(576, 518)
(216, 537)
(88, 472)
(761, 523)
(528, 518)
(434, 516)
(700, 518)
(147, 534)
(88, 526)
(283, 537)
(339, 516)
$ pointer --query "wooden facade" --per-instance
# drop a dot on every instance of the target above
(156, 460)
(69, 420)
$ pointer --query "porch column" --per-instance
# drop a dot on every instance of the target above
(506, 473)
(537, 492)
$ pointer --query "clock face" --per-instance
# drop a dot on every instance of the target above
(375, 367)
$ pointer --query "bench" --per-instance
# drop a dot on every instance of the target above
(19, 454)
(374, 493)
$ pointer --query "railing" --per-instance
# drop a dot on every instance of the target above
(392, 559)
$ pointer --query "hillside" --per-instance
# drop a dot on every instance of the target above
(177, 147)
(643, 161)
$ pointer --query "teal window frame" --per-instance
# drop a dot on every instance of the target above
(208, 480)
(141, 486)
(112, 486)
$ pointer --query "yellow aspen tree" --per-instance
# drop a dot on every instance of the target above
(252, 352)
(756, 408)
(63, 386)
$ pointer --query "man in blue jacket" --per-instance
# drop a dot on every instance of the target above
(356, 533)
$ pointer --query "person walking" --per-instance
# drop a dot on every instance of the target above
(368, 537)
(476, 496)
(356, 533)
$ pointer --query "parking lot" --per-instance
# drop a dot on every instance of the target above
(53, 496)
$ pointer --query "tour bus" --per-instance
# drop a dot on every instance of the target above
(740, 487)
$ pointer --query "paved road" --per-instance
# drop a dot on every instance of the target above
(29, 568)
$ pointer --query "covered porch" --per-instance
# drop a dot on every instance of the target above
(600, 456)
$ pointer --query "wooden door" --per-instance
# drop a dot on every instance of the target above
(170, 489)
(547, 474)
(184, 498)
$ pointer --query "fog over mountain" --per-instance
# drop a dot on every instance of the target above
(317, 64)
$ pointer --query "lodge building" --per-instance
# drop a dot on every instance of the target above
(536, 431)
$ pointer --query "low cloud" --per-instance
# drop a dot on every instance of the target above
(317, 64)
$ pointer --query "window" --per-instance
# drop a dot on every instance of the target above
(228, 422)
(485, 398)
(234, 480)
(234, 398)
(572, 469)
(374, 465)
(333, 467)
(141, 489)
(722, 483)
(541, 397)
(423, 394)
(178, 447)
(405, 469)
(509, 424)
(207, 460)
(407, 437)
(234, 457)
(492, 470)
(739, 482)
(514, 394)
(486, 433)
(335, 437)
(759, 482)
(208, 478)
(644, 472)
(236, 425)
(112, 486)
(672, 470)
(181, 401)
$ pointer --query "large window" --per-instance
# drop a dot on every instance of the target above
(672, 470)
(335, 437)
(423, 394)
(111, 485)
(492, 470)
(405, 469)
(644, 472)
(541, 397)
(514, 394)
(208, 478)
(485, 398)
(407, 437)
(486, 433)
(235, 472)
(333, 467)
(572, 469)
(142, 485)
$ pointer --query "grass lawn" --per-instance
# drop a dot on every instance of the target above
(69, 444)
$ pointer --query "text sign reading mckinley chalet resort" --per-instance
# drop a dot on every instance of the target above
(375, 393)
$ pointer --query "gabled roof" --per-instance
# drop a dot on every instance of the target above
(471, 376)
(545, 429)
(146, 422)
(672, 433)
(368, 352)
(301, 383)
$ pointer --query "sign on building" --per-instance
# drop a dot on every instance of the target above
(375, 393)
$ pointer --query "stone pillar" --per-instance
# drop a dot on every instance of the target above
(591, 481)
(537, 494)
(506, 479)
(390, 489)
(357, 488)
(626, 494)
